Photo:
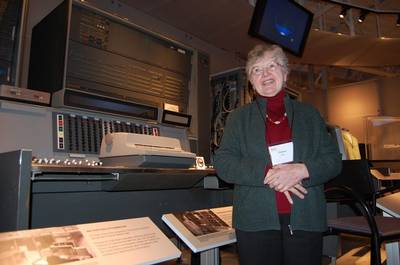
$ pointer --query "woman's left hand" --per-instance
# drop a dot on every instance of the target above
(297, 190)
(283, 177)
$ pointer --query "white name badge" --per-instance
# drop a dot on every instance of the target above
(281, 153)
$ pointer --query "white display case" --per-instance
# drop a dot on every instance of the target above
(383, 138)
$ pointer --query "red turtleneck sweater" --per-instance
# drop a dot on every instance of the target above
(277, 134)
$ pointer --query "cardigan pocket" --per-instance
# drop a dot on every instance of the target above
(254, 208)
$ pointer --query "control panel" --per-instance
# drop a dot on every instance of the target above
(68, 137)
(77, 162)
(82, 134)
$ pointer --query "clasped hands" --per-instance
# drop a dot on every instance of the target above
(287, 178)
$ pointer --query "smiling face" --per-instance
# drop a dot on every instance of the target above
(267, 75)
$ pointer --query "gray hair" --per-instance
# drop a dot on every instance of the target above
(258, 52)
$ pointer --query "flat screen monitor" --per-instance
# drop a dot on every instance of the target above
(283, 22)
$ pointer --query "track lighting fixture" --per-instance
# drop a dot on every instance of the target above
(363, 14)
(364, 10)
(343, 12)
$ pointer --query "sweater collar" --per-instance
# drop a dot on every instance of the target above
(278, 98)
(281, 96)
(261, 102)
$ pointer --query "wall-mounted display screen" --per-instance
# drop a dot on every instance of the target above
(283, 22)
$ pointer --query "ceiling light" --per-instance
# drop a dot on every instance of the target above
(344, 11)
(363, 14)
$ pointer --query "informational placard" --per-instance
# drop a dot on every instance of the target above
(203, 229)
(122, 242)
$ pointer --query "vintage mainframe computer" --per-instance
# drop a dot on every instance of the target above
(107, 77)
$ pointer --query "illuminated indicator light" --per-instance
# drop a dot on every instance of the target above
(284, 31)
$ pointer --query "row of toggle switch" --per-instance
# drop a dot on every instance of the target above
(66, 162)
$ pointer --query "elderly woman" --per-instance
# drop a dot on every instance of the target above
(278, 154)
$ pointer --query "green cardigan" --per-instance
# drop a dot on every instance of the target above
(242, 157)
